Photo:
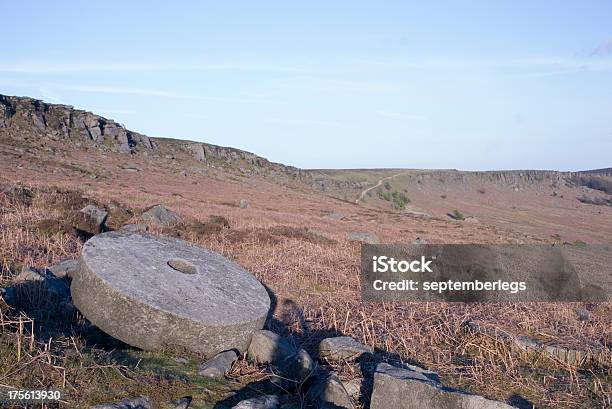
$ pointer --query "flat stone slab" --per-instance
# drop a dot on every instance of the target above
(415, 388)
(156, 292)
(341, 348)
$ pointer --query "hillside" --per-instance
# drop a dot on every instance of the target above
(290, 227)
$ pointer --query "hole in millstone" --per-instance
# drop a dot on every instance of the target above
(182, 266)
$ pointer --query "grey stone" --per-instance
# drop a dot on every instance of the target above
(328, 389)
(161, 216)
(65, 268)
(135, 228)
(29, 274)
(334, 216)
(269, 348)
(260, 402)
(219, 365)
(266, 347)
(409, 388)
(353, 387)
(96, 216)
(342, 348)
(183, 403)
(583, 314)
(127, 288)
(364, 237)
(142, 402)
(243, 204)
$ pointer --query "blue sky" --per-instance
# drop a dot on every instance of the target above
(468, 85)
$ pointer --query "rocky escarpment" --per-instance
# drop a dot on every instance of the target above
(30, 118)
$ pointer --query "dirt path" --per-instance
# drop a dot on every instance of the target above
(380, 182)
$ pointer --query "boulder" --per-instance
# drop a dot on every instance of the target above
(290, 363)
(341, 348)
(413, 388)
(328, 390)
(161, 216)
(96, 218)
(243, 204)
(135, 228)
(364, 237)
(65, 268)
(260, 402)
(136, 403)
(219, 365)
(129, 289)
(353, 387)
(29, 274)
(183, 403)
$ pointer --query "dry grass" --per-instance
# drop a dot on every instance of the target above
(315, 279)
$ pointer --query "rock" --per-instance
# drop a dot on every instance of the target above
(341, 348)
(367, 238)
(269, 348)
(65, 268)
(219, 365)
(161, 216)
(411, 388)
(96, 217)
(135, 228)
(128, 289)
(353, 387)
(243, 204)
(260, 402)
(135, 403)
(29, 274)
(328, 389)
(334, 216)
(183, 403)
(583, 314)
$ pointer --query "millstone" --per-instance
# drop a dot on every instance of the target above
(157, 292)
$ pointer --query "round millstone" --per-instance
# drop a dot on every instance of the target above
(156, 292)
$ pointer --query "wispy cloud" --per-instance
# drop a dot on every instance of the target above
(338, 67)
(399, 115)
(604, 48)
(51, 67)
(298, 122)
(50, 88)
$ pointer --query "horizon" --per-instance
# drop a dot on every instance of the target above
(470, 87)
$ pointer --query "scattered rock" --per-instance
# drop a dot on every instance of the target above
(160, 215)
(330, 390)
(243, 204)
(404, 388)
(341, 348)
(364, 237)
(583, 314)
(269, 348)
(353, 387)
(219, 365)
(29, 274)
(96, 218)
(65, 268)
(260, 402)
(183, 403)
(334, 216)
(532, 345)
(136, 403)
(135, 228)
(127, 288)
